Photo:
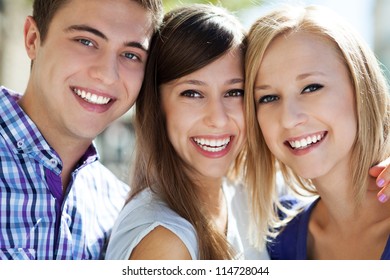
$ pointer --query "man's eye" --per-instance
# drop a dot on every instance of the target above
(268, 98)
(131, 56)
(86, 42)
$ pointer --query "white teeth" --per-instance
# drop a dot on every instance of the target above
(305, 142)
(92, 98)
(212, 145)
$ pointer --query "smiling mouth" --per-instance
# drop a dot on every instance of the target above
(91, 98)
(306, 142)
(212, 145)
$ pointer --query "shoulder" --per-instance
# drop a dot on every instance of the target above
(161, 244)
(141, 217)
(103, 173)
(8, 94)
(290, 206)
(96, 174)
(291, 239)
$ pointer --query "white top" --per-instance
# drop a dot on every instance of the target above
(146, 211)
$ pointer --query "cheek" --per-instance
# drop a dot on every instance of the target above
(238, 116)
(343, 114)
(347, 124)
(264, 123)
(177, 126)
(240, 122)
(133, 79)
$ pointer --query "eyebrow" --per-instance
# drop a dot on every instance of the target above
(299, 77)
(94, 31)
(262, 87)
(235, 81)
(200, 83)
(305, 75)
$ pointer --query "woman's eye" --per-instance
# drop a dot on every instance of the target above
(86, 42)
(191, 93)
(268, 98)
(235, 93)
(312, 87)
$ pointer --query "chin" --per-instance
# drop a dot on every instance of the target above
(306, 172)
(309, 175)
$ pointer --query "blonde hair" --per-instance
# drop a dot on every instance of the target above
(371, 100)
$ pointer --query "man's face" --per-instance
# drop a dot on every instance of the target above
(89, 70)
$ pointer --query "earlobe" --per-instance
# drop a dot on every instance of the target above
(31, 37)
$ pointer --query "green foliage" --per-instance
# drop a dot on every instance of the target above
(232, 5)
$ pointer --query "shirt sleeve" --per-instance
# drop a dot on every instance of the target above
(138, 218)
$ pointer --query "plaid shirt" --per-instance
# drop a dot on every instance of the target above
(38, 221)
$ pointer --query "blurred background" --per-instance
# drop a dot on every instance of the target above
(116, 144)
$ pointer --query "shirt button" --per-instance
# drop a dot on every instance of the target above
(20, 144)
(53, 162)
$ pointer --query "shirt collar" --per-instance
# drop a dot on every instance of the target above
(24, 137)
(90, 155)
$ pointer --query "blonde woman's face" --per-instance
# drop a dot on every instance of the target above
(305, 105)
(204, 116)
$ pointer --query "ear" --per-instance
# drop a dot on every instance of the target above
(31, 37)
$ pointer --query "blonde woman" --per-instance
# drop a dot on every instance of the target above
(317, 110)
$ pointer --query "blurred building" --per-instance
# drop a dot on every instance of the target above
(382, 33)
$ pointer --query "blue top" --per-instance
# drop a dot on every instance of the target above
(291, 243)
(38, 221)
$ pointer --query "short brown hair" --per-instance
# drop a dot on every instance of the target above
(44, 11)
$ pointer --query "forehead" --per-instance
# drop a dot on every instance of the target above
(111, 17)
(301, 42)
(230, 63)
(300, 50)
(229, 67)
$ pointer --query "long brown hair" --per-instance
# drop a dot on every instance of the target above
(190, 38)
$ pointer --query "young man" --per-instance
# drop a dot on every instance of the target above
(88, 58)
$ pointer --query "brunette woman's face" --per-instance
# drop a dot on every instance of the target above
(204, 115)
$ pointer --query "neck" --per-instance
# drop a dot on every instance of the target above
(341, 227)
(68, 147)
(338, 204)
(336, 190)
(70, 156)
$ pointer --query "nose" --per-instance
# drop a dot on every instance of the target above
(105, 69)
(216, 114)
(293, 113)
